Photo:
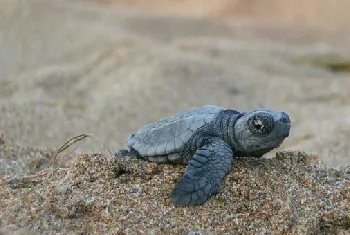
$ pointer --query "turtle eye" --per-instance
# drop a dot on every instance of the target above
(261, 124)
(258, 124)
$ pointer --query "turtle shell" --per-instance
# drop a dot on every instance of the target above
(170, 135)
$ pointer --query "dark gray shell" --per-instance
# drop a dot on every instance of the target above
(170, 135)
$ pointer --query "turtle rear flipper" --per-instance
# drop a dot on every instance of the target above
(127, 153)
(203, 174)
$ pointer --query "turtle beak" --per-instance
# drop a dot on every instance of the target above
(285, 118)
(284, 125)
(286, 134)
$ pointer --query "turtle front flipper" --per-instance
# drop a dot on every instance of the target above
(203, 174)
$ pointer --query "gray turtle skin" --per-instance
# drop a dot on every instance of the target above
(207, 139)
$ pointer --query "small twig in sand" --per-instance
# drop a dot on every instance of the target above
(67, 144)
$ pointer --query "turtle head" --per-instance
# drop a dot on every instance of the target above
(259, 131)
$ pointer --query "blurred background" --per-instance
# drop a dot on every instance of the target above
(109, 67)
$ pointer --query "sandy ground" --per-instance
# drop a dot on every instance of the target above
(98, 194)
(72, 67)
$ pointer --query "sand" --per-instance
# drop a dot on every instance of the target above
(312, 13)
(289, 194)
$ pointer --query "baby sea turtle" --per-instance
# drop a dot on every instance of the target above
(207, 138)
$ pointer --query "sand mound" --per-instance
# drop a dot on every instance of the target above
(291, 193)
